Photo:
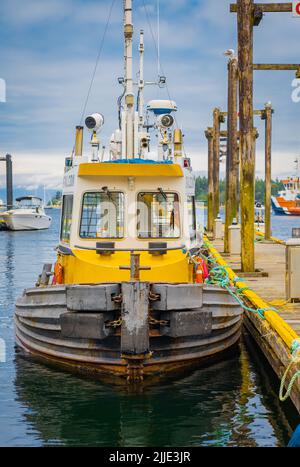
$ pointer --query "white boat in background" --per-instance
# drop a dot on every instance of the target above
(259, 223)
(287, 201)
(258, 206)
(28, 214)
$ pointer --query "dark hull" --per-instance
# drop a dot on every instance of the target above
(41, 333)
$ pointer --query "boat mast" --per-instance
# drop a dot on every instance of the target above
(129, 97)
(141, 82)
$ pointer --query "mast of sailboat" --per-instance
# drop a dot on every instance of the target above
(297, 166)
(129, 96)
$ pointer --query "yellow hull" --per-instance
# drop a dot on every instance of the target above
(88, 267)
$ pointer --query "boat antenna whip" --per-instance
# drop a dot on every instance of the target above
(158, 36)
(129, 96)
(97, 60)
(96, 66)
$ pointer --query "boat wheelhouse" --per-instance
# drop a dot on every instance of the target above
(287, 202)
(142, 206)
(128, 295)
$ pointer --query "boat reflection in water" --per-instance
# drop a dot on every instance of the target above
(217, 406)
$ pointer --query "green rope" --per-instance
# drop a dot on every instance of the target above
(295, 351)
(219, 276)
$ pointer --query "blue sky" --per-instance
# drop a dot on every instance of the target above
(47, 54)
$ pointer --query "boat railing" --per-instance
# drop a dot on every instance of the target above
(130, 250)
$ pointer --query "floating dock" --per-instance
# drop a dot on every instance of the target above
(274, 323)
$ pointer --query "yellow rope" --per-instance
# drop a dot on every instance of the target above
(273, 239)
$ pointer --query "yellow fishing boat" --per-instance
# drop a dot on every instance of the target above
(127, 296)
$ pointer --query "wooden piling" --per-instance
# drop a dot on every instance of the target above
(276, 66)
(232, 161)
(216, 165)
(46, 273)
(269, 7)
(9, 183)
(135, 324)
(247, 172)
(267, 116)
(209, 133)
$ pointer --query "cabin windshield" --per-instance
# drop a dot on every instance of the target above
(29, 203)
(158, 215)
(102, 215)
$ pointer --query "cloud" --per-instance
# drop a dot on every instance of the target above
(20, 13)
(48, 50)
(31, 170)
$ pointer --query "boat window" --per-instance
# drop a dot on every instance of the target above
(158, 215)
(102, 215)
(66, 218)
(192, 217)
(29, 202)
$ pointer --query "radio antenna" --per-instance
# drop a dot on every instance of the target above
(158, 37)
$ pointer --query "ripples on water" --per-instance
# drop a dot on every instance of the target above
(231, 403)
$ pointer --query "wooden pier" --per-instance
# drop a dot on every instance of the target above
(279, 331)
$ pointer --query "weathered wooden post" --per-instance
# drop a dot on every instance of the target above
(135, 310)
(9, 182)
(247, 191)
(46, 274)
(267, 116)
(232, 160)
(209, 133)
(135, 267)
(216, 166)
(249, 15)
(135, 323)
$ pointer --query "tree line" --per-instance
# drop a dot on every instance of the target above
(55, 200)
(202, 189)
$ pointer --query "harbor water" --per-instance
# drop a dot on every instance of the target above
(231, 403)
